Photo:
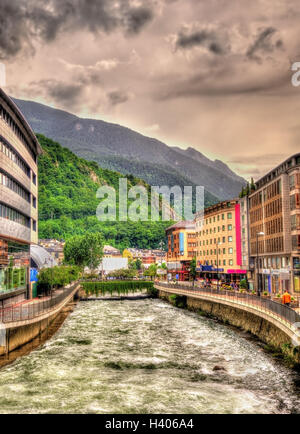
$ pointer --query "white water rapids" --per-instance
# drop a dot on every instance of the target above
(146, 356)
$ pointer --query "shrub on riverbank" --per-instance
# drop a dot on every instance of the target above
(119, 287)
(56, 277)
(178, 300)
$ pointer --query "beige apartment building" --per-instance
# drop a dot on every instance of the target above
(219, 241)
(19, 150)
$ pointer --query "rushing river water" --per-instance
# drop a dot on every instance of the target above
(146, 357)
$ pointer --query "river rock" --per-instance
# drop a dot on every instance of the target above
(219, 368)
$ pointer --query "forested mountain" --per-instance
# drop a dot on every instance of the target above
(68, 203)
(118, 148)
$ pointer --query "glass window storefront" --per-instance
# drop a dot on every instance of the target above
(14, 264)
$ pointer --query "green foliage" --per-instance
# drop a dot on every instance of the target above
(178, 300)
(151, 271)
(68, 203)
(56, 277)
(112, 287)
(123, 274)
(243, 284)
(193, 267)
(85, 250)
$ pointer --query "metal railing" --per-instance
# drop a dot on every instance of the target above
(285, 313)
(31, 310)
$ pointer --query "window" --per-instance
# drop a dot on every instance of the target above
(229, 215)
(34, 225)
(13, 215)
(230, 250)
(230, 239)
(13, 185)
(15, 128)
(230, 227)
(224, 262)
(10, 152)
(34, 178)
(230, 262)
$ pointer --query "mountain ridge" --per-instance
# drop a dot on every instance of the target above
(120, 148)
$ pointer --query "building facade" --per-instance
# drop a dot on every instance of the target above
(181, 248)
(219, 243)
(274, 225)
(19, 150)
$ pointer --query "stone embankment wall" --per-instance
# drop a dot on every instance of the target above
(249, 322)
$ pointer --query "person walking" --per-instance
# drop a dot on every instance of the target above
(286, 298)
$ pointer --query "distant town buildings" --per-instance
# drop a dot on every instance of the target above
(19, 150)
(55, 248)
(148, 257)
(111, 252)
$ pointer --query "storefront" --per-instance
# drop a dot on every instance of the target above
(296, 272)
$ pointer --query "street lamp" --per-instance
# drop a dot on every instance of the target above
(258, 234)
(218, 244)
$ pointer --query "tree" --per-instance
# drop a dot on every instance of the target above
(127, 254)
(151, 271)
(193, 269)
(84, 251)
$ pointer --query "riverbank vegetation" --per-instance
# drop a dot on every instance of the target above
(115, 287)
(56, 277)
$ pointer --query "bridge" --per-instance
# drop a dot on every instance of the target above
(273, 322)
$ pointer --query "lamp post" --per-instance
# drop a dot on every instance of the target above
(258, 234)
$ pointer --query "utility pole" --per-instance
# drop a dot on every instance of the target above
(257, 265)
(218, 244)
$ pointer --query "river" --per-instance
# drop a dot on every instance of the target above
(146, 356)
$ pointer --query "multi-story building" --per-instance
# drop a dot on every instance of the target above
(181, 248)
(274, 213)
(219, 242)
(19, 150)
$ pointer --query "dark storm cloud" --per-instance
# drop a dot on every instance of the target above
(22, 21)
(211, 85)
(264, 44)
(208, 39)
(137, 18)
(117, 97)
(67, 94)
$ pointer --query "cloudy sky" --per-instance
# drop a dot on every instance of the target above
(211, 74)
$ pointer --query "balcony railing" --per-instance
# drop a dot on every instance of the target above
(260, 303)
